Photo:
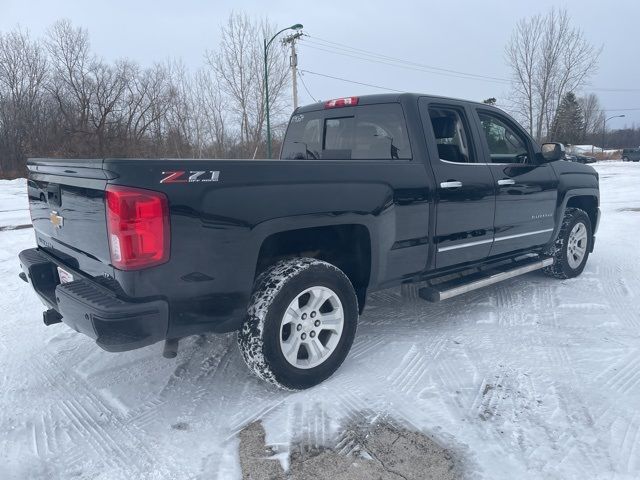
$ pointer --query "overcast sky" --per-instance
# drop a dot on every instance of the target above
(466, 36)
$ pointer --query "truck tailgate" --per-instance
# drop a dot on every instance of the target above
(67, 206)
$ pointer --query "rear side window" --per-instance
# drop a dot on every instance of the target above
(451, 135)
(367, 132)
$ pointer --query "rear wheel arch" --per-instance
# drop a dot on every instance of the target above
(347, 246)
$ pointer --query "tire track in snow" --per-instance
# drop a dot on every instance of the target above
(104, 447)
(558, 356)
(67, 409)
(410, 369)
(309, 424)
(408, 376)
(629, 448)
(384, 298)
(189, 384)
(451, 377)
(92, 418)
(624, 377)
(364, 345)
(576, 444)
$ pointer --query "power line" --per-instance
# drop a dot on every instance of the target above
(620, 109)
(305, 86)
(351, 81)
(399, 64)
(504, 107)
(347, 48)
(616, 90)
(354, 52)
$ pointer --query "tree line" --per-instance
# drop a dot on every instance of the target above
(57, 98)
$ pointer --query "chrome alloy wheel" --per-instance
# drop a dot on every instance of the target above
(311, 327)
(577, 245)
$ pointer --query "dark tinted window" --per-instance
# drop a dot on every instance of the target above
(506, 144)
(376, 132)
(338, 138)
(451, 135)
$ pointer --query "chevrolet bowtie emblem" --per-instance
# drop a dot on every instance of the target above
(56, 219)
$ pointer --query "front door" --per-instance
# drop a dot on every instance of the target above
(465, 188)
(526, 191)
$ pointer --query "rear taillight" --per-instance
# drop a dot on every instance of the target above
(138, 227)
(342, 102)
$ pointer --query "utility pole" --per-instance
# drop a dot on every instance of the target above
(293, 62)
(297, 26)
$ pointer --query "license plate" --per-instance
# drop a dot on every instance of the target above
(65, 277)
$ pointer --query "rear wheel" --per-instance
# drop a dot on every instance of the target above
(572, 246)
(625, 159)
(300, 324)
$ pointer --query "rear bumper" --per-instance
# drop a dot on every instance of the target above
(94, 310)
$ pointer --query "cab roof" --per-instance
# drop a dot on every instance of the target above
(386, 98)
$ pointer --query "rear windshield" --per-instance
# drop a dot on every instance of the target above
(368, 132)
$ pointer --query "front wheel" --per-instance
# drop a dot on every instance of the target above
(571, 248)
(300, 323)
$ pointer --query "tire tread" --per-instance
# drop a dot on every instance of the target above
(558, 251)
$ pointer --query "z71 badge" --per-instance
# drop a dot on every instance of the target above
(190, 176)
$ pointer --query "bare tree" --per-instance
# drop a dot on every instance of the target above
(70, 82)
(109, 86)
(593, 114)
(22, 72)
(148, 97)
(239, 69)
(548, 58)
(211, 107)
(522, 53)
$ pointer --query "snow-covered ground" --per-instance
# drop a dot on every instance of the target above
(531, 378)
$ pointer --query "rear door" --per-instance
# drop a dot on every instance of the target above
(465, 187)
(526, 192)
(374, 137)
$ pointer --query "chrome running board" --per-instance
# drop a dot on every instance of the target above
(442, 291)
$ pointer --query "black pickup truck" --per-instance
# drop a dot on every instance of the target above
(441, 195)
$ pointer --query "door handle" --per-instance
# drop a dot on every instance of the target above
(452, 184)
(506, 181)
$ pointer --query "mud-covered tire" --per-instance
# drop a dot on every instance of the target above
(259, 338)
(562, 267)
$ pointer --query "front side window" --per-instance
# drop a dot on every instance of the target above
(451, 135)
(367, 132)
(505, 144)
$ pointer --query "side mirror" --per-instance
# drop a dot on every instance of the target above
(552, 151)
